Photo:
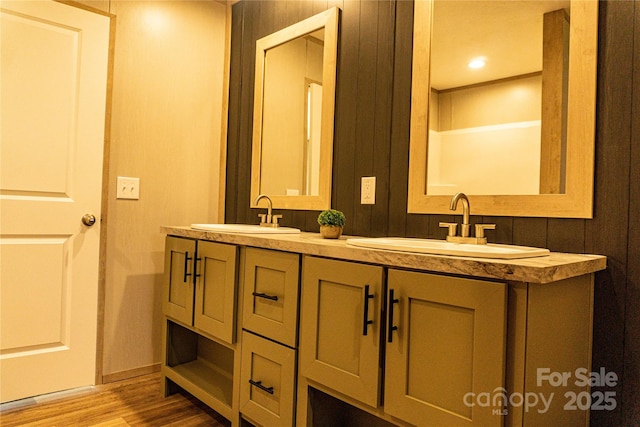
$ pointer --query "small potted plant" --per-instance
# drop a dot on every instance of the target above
(331, 222)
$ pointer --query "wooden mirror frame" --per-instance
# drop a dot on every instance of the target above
(329, 21)
(577, 200)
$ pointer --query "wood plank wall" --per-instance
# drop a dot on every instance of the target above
(372, 139)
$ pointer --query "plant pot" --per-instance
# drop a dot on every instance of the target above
(330, 231)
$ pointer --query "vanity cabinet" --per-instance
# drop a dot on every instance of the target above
(445, 342)
(328, 334)
(442, 337)
(200, 285)
(199, 307)
(271, 283)
(340, 326)
(252, 375)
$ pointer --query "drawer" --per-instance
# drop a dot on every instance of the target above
(270, 300)
(267, 381)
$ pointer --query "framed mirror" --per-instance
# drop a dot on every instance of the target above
(293, 117)
(516, 135)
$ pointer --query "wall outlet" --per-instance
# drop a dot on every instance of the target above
(128, 188)
(368, 190)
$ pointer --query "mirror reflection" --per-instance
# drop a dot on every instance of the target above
(291, 117)
(293, 114)
(516, 134)
(497, 111)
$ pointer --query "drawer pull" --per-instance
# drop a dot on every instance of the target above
(366, 322)
(265, 296)
(187, 258)
(392, 302)
(261, 387)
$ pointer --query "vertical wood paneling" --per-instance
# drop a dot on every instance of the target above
(252, 30)
(363, 106)
(566, 235)
(318, 6)
(261, 17)
(400, 123)
(631, 394)
(235, 102)
(530, 232)
(279, 15)
(372, 139)
(364, 117)
(382, 125)
(433, 229)
(344, 147)
(504, 229)
(608, 231)
(294, 9)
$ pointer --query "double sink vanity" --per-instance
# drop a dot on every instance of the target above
(266, 325)
(271, 326)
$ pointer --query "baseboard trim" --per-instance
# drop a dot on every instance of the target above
(130, 373)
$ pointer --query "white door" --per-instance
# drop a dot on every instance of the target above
(53, 80)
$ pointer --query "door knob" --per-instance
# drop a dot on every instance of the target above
(88, 220)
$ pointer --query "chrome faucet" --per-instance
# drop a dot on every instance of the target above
(480, 238)
(268, 219)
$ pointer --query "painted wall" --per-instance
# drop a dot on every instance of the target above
(372, 139)
(166, 127)
(507, 101)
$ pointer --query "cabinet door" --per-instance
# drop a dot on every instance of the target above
(178, 279)
(340, 327)
(215, 305)
(267, 384)
(448, 348)
(271, 294)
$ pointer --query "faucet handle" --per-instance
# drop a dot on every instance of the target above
(275, 218)
(481, 227)
(263, 218)
(451, 226)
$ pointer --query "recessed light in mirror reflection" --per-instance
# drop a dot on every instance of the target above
(477, 63)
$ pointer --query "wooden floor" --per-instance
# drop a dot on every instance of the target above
(134, 402)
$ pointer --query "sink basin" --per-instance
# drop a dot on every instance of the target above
(442, 247)
(244, 229)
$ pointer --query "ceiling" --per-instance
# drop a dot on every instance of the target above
(507, 33)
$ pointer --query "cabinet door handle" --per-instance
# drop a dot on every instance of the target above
(195, 268)
(366, 322)
(187, 258)
(261, 387)
(265, 296)
(392, 302)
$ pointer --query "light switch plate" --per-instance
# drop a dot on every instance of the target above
(128, 188)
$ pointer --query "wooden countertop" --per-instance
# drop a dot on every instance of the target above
(547, 269)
